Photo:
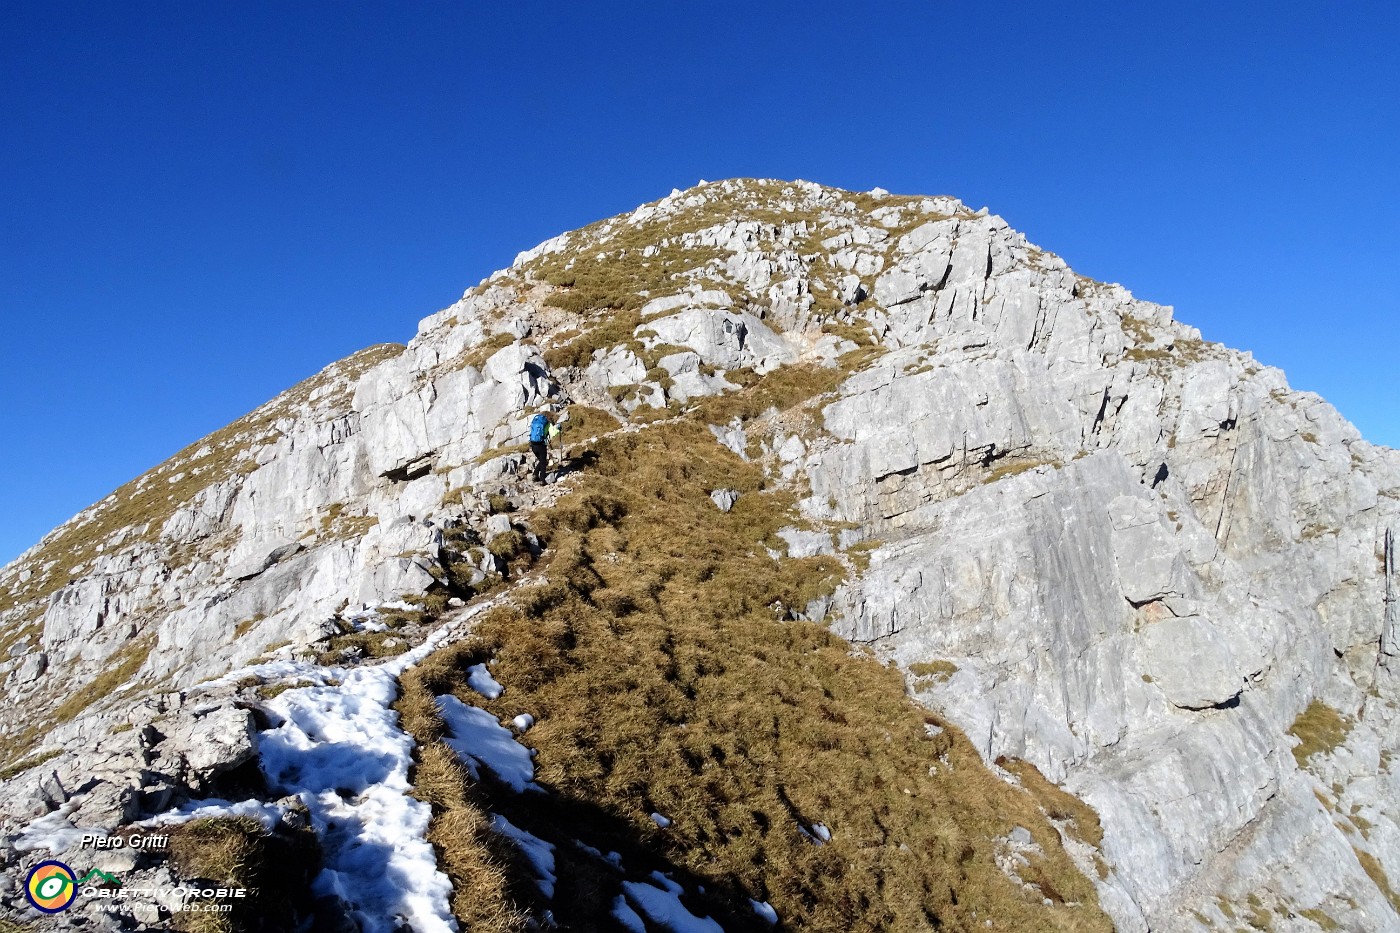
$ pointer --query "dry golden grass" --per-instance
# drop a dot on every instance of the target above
(268, 691)
(121, 667)
(276, 869)
(1319, 729)
(585, 423)
(1321, 918)
(1060, 805)
(1015, 467)
(665, 676)
(614, 330)
(477, 860)
(781, 389)
(938, 668)
(370, 644)
(31, 762)
(1376, 873)
(479, 354)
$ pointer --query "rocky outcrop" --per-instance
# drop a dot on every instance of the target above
(1129, 557)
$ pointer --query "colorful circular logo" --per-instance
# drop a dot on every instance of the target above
(51, 887)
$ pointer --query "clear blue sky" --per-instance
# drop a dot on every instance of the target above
(206, 202)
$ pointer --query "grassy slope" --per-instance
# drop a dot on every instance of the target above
(666, 678)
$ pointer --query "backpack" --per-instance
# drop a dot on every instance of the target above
(538, 426)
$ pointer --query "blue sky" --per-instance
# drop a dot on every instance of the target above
(207, 202)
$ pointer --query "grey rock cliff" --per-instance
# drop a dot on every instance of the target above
(1142, 557)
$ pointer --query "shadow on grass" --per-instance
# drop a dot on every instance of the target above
(595, 851)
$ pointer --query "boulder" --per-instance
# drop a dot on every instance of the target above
(724, 499)
(214, 742)
(616, 367)
(724, 339)
(1190, 662)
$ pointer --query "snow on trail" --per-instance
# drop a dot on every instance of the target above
(340, 749)
(480, 740)
(662, 905)
(539, 853)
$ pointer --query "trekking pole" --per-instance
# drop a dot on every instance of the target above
(559, 426)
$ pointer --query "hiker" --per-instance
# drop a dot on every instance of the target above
(541, 430)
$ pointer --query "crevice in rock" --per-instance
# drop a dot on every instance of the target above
(1103, 408)
(1161, 475)
(243, 782)
(1227, 704)
(410, 471)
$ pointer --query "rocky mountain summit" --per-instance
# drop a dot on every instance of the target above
(891, 575)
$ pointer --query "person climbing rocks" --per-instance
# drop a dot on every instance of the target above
(541, 430)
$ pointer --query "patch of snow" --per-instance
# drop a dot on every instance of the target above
(626, 916)
(662, 905)
(269, 815)
(54, 832)
(766, 911)
(818, 834)
(273, 671)
(479, 740)
(523, 722)
(342, 752)
(480, 680)
(539, 852)
(660, 820)
(666, 884)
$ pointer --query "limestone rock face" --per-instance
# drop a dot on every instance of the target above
(1138, 559)
(724, 339)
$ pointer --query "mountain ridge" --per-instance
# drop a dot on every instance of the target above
(901, 366)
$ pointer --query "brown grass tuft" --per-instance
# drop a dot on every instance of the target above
(1319, 729)
(1376, 873)
(122, 666)
(275, 868)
